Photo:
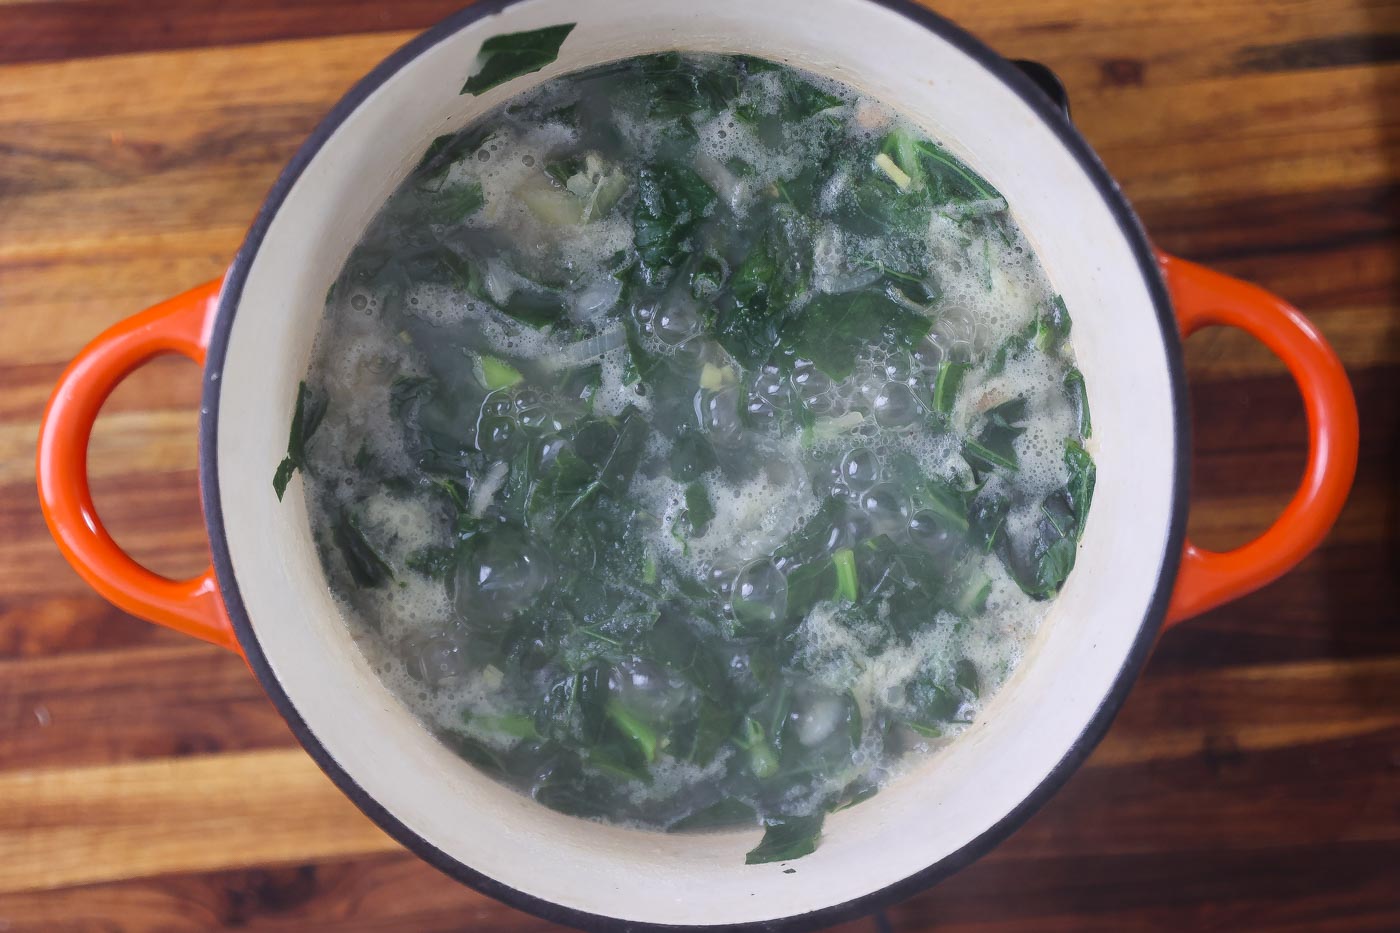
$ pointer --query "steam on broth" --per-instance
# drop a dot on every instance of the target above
(691, 441)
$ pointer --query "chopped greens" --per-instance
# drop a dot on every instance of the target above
(306, 417)
(690, 454)
(515, 54)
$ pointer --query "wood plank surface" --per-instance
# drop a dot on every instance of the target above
(1252, 782)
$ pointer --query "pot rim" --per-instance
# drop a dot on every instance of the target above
(1129, 224)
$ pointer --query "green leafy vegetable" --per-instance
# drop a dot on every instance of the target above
(306, 418)
(498, 374)
(638, 332)
(995, 445)
(366, 567)
(515, 54)
(672, 200)
(832, 329)
(945, 388)
(846, 582)
(787, 838)
(1079, 397)
(698, 508)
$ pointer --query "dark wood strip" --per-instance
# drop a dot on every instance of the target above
(1321, 52)
(50, 31)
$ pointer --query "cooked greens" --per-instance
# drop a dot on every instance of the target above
(514, 54)
(699, 439)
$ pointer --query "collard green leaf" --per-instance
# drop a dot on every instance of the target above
(515, 54)
(672, 200)
(995, 445)
(808, 585)
(762, 293)
(691, 455)
(1079, 398)
(787, 838)
(1052, 327)
(833, 329)
(673, 643)
(698, 509)
(435, 562)
(306, 418)
(367, 568)
(454, 203)
(967, 679)
(725, 812)
(946, 385)
(948, 179)
(675, 86)
(636, 729)
(986, 518)
(802, 99)
(1081, 480)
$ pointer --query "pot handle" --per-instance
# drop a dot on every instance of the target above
(179, 325)
(1202, 298)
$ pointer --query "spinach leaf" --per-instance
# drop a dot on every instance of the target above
(712, 727)
(808, 585)
(698, 510)
(1041, 566)
(454, 203)
(986, 518)
(434, 562)
(691, 455)
(675, 86)
(802, 99)
(833, 329)
(635, 729)
(1079, 398)
(1081, 480)
(995, 445)
(535, 305)
(306, 418)
(787, 838)
(724, 812)
(948, 179)
(366, 567)
(936, 702)
(672, 200)
(946, 385)
(762, 293)
(672, 643)
(515, 54)
(1052, 326)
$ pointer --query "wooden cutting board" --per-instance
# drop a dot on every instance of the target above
(1251, 782)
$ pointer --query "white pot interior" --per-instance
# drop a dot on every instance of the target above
(950, 799)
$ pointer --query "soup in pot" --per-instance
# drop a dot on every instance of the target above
(693, 441)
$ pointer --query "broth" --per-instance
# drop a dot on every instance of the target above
(690, 441)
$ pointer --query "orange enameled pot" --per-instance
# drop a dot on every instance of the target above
(265, 595)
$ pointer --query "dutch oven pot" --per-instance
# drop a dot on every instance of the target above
(265, 595)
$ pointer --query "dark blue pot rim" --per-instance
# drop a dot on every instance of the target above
(1056, 118)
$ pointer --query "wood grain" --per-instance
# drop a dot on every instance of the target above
(1252, 781)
